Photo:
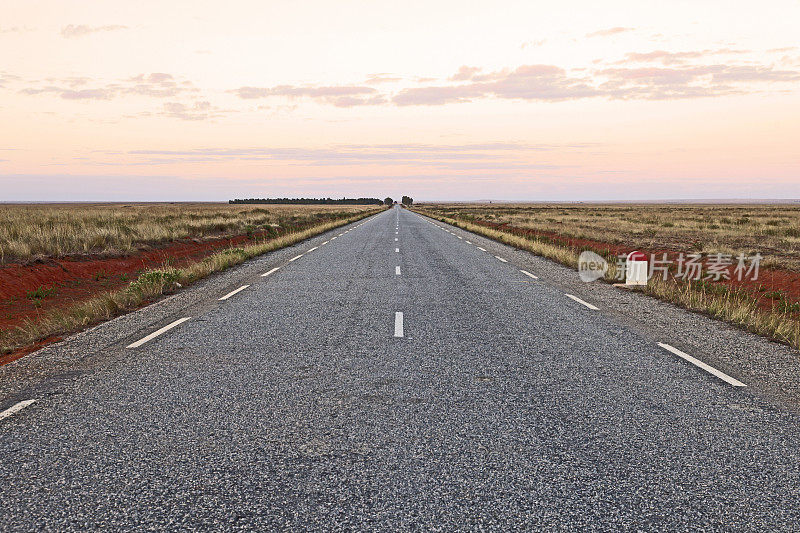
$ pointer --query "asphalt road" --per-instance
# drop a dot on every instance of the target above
(495, 401)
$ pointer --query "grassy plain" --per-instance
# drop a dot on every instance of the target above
(29, 231)
(772, 230)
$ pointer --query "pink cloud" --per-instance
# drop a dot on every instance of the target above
(465, 73)
(381, 78)
(551, 83)
(200, 110)
(156, 85)
(528, 82)
(670, 58)
(72, 31)
(338, 95)
(609, 31)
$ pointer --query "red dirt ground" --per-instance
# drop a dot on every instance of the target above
(80, 278)
(769, 280)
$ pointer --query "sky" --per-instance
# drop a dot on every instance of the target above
(465, 100)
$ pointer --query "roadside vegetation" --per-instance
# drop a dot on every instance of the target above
(35, 231)
(150, 284)
(769, 306)
(774, 230)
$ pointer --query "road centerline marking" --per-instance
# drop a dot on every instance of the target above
(397, 271)
(698, 363)
(397, 250)
(481, 249)
(398, 324)
(295, 258)
(240, 289)
(587, 304)
(19, 406)
(158, 332)
(501, 259)
(265, 274)
(529, 274)
(312, 249)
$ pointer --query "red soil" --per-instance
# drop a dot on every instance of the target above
(769, 280)
(78, 279)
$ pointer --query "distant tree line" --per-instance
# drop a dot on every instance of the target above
(309, 201)
(407, 200)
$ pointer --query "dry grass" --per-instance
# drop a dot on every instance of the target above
(773, 230)
(148, 286)
(55, 230)
(731, 305)
(723, 302)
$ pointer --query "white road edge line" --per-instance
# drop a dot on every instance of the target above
(397, 271)
(295, 258)
(501, 259)
(696, 362)
(529, 274)
(398, 324)
(265, 274)
(312, 249)
(25, 403)
(587, 304)
(158, 332)
(324, 243)
(240, 289)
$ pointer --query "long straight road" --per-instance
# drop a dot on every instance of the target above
(396, 373)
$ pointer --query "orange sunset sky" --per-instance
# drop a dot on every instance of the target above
(570, 100)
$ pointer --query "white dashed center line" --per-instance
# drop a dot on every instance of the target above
(397, 250)
(587, 304)
(698, 363)
(265, 274)
(158, 332)
(243, 287)
(501, 259)
(397, 271)
(295, 258)
(529, 274)
(324, 243)
(14, 409)
(398, 324)
(395, 239)
(312, 249)
(481, 249)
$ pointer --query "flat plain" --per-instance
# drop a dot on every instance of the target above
(30, 231)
